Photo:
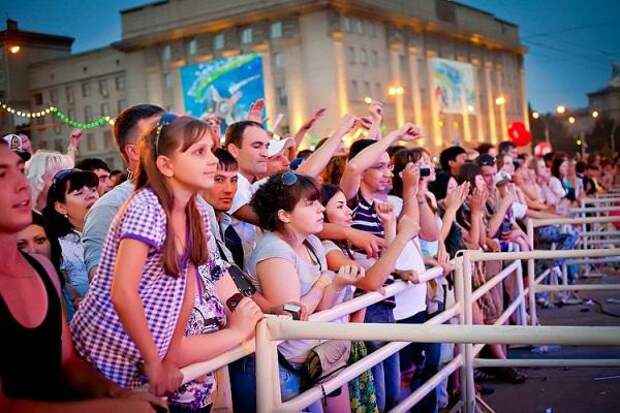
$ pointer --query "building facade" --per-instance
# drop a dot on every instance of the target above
(321, 53)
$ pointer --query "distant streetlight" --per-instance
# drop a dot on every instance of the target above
(396, 90)
(571, 120)
(595, 114)
(14, 49)
(535, 115)
(561, 109)
(470, 108)
(368, 100)
(500, 100)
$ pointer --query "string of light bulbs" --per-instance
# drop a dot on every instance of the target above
(63, 117)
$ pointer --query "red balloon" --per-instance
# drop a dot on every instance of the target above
(542, 149)
(518, 134)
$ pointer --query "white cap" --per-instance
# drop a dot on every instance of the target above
(502, 177)
(16, 145)
(277, 146)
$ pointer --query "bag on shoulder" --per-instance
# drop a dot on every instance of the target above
(325, 360)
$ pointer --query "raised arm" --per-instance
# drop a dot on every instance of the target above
(316, 163)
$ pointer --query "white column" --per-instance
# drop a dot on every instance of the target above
(477, 107)
(437, 138)
(341, 78)
(414, 80)
(503, 135)
(465, 114)
(270, 92)
(490, 102)
(396, 81)
(524, 109)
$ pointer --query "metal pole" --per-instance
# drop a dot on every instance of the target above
(460, 298)
(267, 375)
(521, 296)
(531, 277)
(470, 390)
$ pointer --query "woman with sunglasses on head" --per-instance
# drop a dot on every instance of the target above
(39, 368)
(288, 265)
(69, 198)
(144, 289)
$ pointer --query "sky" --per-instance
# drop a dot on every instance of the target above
(571, 43)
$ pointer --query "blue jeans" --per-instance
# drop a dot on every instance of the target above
(386, 373)
(425, 356)
(243, 385)
(550, 234)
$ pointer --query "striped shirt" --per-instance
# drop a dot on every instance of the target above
(365, 216)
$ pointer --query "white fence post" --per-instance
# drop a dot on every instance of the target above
(267, 372)
(531, 277)
(460, 299)
(470, 391)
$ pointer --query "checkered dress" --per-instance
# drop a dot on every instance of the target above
(98, 333)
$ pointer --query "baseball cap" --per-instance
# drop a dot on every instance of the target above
(502, 178)
(486, 160)
(276, 146)
(16, 145)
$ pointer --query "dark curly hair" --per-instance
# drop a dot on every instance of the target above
(274, 195)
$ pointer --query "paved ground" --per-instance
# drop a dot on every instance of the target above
(572, 390)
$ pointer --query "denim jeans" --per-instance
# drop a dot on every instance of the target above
(550, 234)
(427, 365)
(386, 373)
(243, 385)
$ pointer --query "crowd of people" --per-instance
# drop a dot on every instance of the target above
(110, 283)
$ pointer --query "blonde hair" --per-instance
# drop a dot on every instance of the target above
(45, 163)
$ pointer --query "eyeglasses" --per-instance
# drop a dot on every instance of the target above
(289, 178)
(165, 120)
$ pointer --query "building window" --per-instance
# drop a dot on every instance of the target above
(367, 91)
(374, 58)
(352, 55)
(167, 80)
(278, 59)
(166, 53)
(38, 99)
(88, 114)
(103, 88)
(70, 95)
(246, 35)
(364, 57)
(58, 143)
(71, 114)
(359, 26)
(53, 96)
(218, 41)
(120, 83)
(355, 92)
(378, 91)
(91, 145)
(192, 47)
(105, 109)
(108, 142)
(276, 30)
(346, 23)
(85, 90)
(372, 28)
(121, 105)
(282, 96)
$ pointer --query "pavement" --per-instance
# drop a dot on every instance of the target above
(567, 390)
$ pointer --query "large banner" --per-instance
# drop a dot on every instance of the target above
(453, 85)
(226, 87)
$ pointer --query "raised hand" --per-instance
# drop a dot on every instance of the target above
(455, 199)
(409, 132)
(76, 137)
(256, 111)
(316, 116)
(385, 211)
(411, 178)
(376, 111)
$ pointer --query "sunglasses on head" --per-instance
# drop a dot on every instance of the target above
(487, 162)
(165, 120)
(289, 178)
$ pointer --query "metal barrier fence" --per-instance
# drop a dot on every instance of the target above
(270, 329)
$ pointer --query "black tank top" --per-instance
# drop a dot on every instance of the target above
(30, 358)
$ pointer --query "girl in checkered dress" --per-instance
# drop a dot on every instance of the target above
(132, 321)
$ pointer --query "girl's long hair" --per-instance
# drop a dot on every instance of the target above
(179, 135)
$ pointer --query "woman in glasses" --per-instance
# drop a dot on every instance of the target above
(69, 198)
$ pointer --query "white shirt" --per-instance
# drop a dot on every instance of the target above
(245, 230)
(413, 299)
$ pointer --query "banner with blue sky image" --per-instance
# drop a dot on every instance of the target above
(453, 85)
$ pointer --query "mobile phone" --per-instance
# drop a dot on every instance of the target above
(233, 301)
(425, 171)
(293, 309)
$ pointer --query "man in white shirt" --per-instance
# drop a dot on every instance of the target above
(247, 141)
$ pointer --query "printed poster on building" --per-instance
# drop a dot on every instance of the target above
(453, 85)
(226, 87)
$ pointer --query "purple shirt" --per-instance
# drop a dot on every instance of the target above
(98, 333)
